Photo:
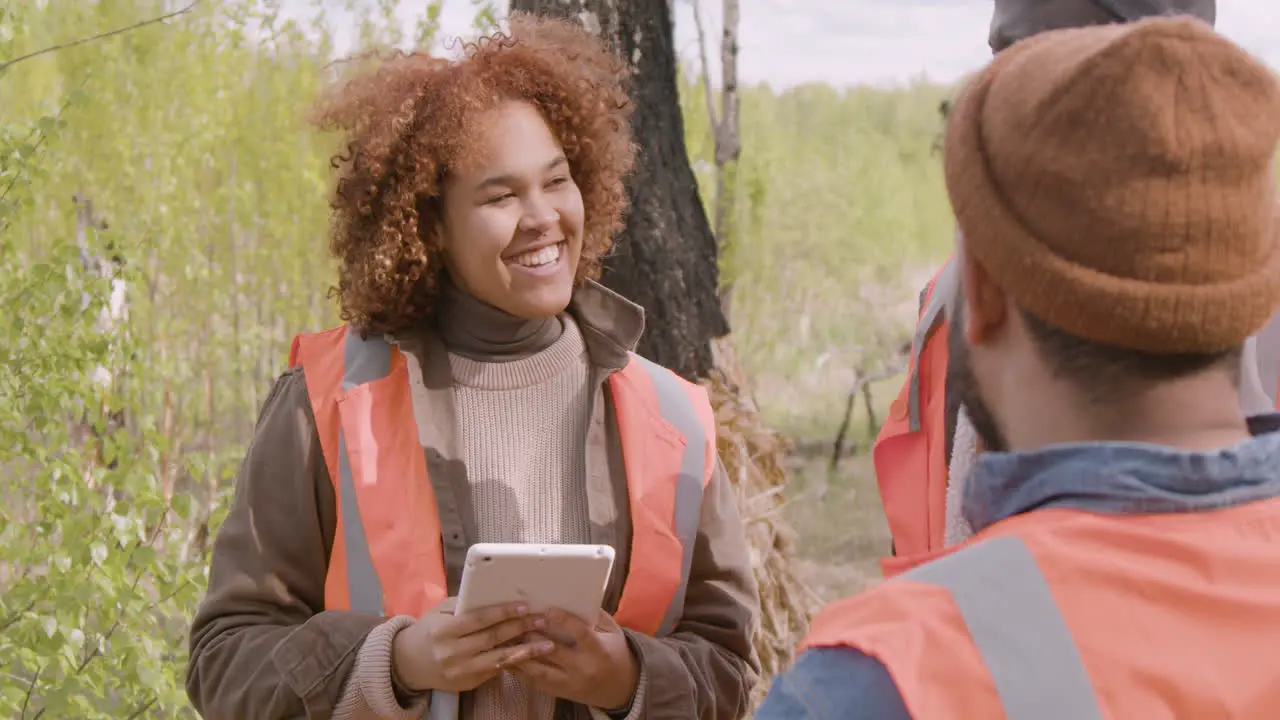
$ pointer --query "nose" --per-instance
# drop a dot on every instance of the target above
(539, 215)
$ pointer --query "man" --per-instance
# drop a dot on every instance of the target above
(1115, 191)
(926, 445)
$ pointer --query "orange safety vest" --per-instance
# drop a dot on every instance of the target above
(387, 556)
(910, 453)
(1068, 615)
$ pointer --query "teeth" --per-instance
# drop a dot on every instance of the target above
(538, 258)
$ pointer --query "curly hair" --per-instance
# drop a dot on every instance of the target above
(408, 121)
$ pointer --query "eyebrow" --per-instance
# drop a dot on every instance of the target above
(512, 180)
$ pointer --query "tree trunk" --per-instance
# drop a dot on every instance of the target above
(724, 130)
(666, 258)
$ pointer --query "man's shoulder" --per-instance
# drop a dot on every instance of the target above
(834, 683)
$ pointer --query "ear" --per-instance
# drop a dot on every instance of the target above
(986, 307)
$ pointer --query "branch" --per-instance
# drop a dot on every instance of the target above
(53, 48)
(14, 618)
(40, 142)
(31, 688)
(706, 69)
(864, 381)
(34, 148)
(144, 708)
(137, 579)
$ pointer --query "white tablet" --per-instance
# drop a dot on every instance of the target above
(569, 577)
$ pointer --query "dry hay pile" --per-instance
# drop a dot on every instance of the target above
(753, 458)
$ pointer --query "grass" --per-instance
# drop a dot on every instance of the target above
(841, 218)
(841, 528)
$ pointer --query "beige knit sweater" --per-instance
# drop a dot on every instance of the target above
(524, 425)
(524, 429)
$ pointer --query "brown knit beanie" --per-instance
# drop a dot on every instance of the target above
(1118, 182)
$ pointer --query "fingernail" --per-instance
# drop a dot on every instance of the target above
(522, 610)
(539, 623)
(545, 647)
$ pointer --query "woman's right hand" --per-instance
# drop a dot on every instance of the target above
(457, 653)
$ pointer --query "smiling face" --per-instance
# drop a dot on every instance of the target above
(512, 220)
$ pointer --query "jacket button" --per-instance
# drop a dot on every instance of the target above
(898, 410)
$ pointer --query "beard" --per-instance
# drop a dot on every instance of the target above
(963, 385)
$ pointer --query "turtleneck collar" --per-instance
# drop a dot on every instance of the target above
(476, 330)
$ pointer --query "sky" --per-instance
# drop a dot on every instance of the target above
(849, 42)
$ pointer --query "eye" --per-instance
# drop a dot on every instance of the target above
(558, 181)
(496, 199)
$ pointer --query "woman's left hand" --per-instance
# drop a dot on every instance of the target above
(591, 666)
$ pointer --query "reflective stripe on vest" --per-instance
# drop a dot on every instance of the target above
(910, 450)
(642, 392)
(1266, 360)
(364, 362)
(1019, 631)
(940, 292)
(1073, 614)
(383, 563)
(368, 433)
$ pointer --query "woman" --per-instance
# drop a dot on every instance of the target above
(482, 390)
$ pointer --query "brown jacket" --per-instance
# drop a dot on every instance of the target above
(264, 648)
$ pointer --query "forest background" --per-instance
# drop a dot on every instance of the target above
(163, 227)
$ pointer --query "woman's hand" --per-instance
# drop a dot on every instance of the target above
(592, 666)
(456, 653)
